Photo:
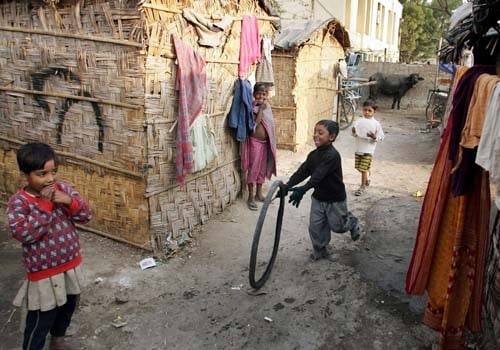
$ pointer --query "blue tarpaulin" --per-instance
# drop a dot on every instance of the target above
(447, 67)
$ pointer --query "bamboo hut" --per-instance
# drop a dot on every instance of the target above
(305, 60)
(97, 81)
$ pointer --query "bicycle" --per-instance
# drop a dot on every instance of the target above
(346, 104)
(436, 107)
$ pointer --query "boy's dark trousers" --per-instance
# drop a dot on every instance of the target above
(40, 323)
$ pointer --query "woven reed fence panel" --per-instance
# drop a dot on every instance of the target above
(284, 108)
(286, 128)
(116, 202)
(175, 210)
(284, 76)
(9, 171)
(56, 65)
(50, 54)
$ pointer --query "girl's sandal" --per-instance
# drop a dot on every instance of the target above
(252, 206)
(358, 192)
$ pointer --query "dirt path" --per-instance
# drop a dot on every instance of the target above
(201, 298)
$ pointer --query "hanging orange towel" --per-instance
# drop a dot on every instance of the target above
(476, 114)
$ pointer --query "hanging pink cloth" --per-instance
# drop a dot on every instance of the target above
(191, 84)
(249, 44)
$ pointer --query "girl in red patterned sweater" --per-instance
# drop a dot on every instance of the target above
(42, 217)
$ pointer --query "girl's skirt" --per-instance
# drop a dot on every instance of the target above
(51, 292)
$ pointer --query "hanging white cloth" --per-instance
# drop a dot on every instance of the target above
(203, 141)
(264, 72)
(488, 151)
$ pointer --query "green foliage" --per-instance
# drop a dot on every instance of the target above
(411, 29)
(423, 24)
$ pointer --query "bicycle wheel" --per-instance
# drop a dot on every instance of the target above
(438, 113)
(429, 110)
(346, 113)
(428, 116)
(259, 282)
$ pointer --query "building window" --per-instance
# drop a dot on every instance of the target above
(380, 21)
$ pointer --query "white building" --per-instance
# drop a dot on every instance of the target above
(373, 25)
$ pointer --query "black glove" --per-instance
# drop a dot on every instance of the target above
(296, 196)
(283, 191)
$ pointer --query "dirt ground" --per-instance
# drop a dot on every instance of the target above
(201, 299)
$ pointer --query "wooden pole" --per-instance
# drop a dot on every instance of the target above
(355, 87)
(219, 166)
(207, 60)
(70, 35)
(73, 97)
(83, 159)
(171, 10)
(145, 246)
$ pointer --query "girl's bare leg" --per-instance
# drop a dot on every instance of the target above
(258, 195)
(251, 197)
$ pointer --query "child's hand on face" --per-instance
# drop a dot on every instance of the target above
(61, 197)
(47, 192)
(50, 193)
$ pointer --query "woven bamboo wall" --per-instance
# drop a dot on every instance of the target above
(283, 103)
(91, 54)
(96, 80)
(115, 200)
(305, 87)
(174, 210)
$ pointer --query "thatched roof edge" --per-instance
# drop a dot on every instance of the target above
(294, 33)
(270, 8)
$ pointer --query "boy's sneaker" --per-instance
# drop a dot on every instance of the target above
(321, 254)
(356, 233)
(315, 255)
(329, 256)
